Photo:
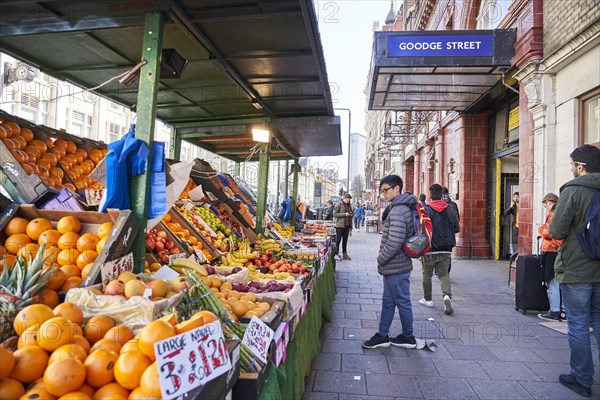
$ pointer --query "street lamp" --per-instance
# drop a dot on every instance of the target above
(349, 130)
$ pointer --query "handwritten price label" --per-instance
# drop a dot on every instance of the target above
(112, 269)
(200, 257)
(191, 359)
(258, 337)
(173, 257)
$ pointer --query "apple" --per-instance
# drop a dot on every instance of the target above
(164, 259)
(169, 244)
(161, 234)
(151, 244)
(265, 258)
(159, 246)
(115, 288)
(180, 283)
(174, 250)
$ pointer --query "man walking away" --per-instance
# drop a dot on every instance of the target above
(445, 225)
(447, 199)
(578, 275)
(395, 266)
(342, 215)
(359, 216)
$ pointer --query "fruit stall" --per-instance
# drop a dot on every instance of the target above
(100, 304)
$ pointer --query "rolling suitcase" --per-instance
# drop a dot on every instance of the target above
(530, 292)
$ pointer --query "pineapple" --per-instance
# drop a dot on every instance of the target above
(18, 286)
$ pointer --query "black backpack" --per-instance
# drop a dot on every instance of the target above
(589, 238)
(443, 238)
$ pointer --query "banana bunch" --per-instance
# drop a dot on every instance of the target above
(280, 276)
(181, 264)
(285, 232)
(233, 261)
(270, 244)
(244, 252)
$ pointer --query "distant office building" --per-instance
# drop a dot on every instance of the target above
(358, 158)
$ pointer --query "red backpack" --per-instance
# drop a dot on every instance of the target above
(420, 242)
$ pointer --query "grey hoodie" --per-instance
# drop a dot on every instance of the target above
(397, 227)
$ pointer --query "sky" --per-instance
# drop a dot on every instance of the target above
(346, 29)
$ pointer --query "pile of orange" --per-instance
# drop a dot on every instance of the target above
(67, 248)
(56, 357)
(238, 304)
(51, 158)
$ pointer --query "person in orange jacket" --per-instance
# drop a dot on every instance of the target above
(549, 252)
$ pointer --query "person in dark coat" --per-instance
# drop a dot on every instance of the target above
(328, 214)
(343, 215)
(395, 266)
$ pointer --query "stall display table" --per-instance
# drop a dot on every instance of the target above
(286, 382)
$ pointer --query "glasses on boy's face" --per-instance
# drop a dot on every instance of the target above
(384, 191)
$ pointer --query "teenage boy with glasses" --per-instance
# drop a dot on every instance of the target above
(395, 266)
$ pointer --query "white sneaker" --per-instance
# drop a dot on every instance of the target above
(448, 305)
(426, 303)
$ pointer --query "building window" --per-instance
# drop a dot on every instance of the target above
(77, 123)
(29, 107)
(590, 118)
(114, 132)
(88, 126)
(491, 13)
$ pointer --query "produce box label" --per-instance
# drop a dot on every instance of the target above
(258, 337)
(112, 269)
(191, 359)
(200, 257)
(173, 257)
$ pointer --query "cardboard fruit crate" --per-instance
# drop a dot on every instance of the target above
(118, 243)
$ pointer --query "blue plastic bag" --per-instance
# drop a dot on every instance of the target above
(158, 185)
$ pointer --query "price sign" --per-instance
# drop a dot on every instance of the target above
(173, 257)
(112, 269)
(191, 359)
(258, 337)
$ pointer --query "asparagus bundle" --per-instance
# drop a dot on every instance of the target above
(200, 297)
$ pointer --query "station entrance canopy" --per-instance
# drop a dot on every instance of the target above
(437, 70)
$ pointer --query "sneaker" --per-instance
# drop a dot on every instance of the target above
(377, 341)
(448, 305)
(550, 316)
(563, 316)
(346, 257)
(408, 342)
(571, 382)
(426, 303)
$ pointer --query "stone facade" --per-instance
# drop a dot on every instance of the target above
(565, 19)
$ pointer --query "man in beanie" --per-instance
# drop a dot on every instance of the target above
(578, 275)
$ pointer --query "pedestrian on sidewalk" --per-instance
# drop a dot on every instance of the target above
(342, 215)
(359, 217)
(447, 199)
(547, 259)
(578, 275)
(395, 265)
(422, 199)
(445, 225)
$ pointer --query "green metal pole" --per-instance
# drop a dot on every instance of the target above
(237, 168)
(263, 179)
(175, 151)
(146, 114)
(295, 192)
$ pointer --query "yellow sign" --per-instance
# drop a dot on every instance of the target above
(513, 119)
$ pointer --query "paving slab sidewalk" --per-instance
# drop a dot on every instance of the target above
(485, 350)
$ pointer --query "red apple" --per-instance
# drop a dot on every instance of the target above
(151, 244)
(174, 250)
(161, 234)
(169, 244)
(159, 245)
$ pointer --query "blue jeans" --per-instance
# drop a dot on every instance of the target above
(554, 295)
(582, 305)
(396, 293)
